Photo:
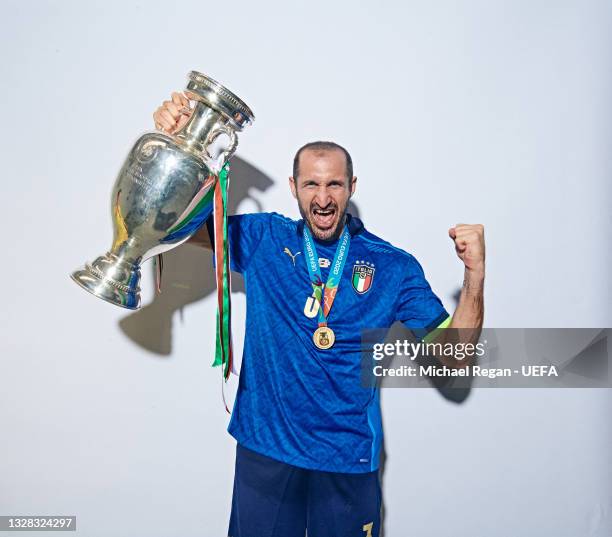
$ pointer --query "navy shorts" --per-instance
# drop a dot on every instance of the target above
(274, 499)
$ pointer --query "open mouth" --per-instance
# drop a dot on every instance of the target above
(324, 218)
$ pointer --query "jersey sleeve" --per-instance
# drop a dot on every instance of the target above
(244, 232)
(418, 307)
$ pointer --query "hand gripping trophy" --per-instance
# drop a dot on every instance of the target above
(165, 183)
(162, 196)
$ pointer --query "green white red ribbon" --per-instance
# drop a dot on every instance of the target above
(223, 351)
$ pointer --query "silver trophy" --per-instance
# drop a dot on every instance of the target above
(163, 190)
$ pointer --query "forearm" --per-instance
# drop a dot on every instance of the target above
(469, 314)
(466, 323)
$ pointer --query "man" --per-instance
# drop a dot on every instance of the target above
(308, 434)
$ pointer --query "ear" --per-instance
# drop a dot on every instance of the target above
(353, 185)
(293, 187)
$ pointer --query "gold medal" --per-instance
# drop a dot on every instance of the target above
(324, 337)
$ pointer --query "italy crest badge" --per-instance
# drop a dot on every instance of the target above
(363, 274)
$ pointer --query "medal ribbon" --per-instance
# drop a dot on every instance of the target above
(325, 298)
(223, 351)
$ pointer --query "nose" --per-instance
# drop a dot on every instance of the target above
(322, 197)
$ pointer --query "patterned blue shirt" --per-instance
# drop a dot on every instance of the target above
(296, 403)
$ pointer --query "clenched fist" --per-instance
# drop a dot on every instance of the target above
(469, 245)
(172, 115)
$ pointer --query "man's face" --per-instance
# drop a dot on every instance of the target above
(323, 191)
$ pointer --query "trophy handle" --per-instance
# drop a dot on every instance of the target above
(227, 153)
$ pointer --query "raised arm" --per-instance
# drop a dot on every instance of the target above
(470, 248)
(169, 118)
(469, 314)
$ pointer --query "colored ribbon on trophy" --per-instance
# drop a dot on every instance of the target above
(223, 351)
(325, 298)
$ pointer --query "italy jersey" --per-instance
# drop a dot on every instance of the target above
(297, 403)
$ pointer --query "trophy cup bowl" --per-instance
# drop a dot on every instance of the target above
(163, 191)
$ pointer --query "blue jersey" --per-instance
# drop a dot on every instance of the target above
(296, 403)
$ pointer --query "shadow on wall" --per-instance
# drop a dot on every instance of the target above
(188, 274)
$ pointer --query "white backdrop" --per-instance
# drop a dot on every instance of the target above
(476, 111)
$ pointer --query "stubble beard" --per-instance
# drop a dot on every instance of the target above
(331, 234)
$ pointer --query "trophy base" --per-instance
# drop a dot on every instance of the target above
(121, 290)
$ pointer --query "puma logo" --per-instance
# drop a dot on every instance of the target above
(288, 252)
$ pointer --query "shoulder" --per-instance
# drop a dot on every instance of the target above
(282, 221)
(392, 253)
(263, 221)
